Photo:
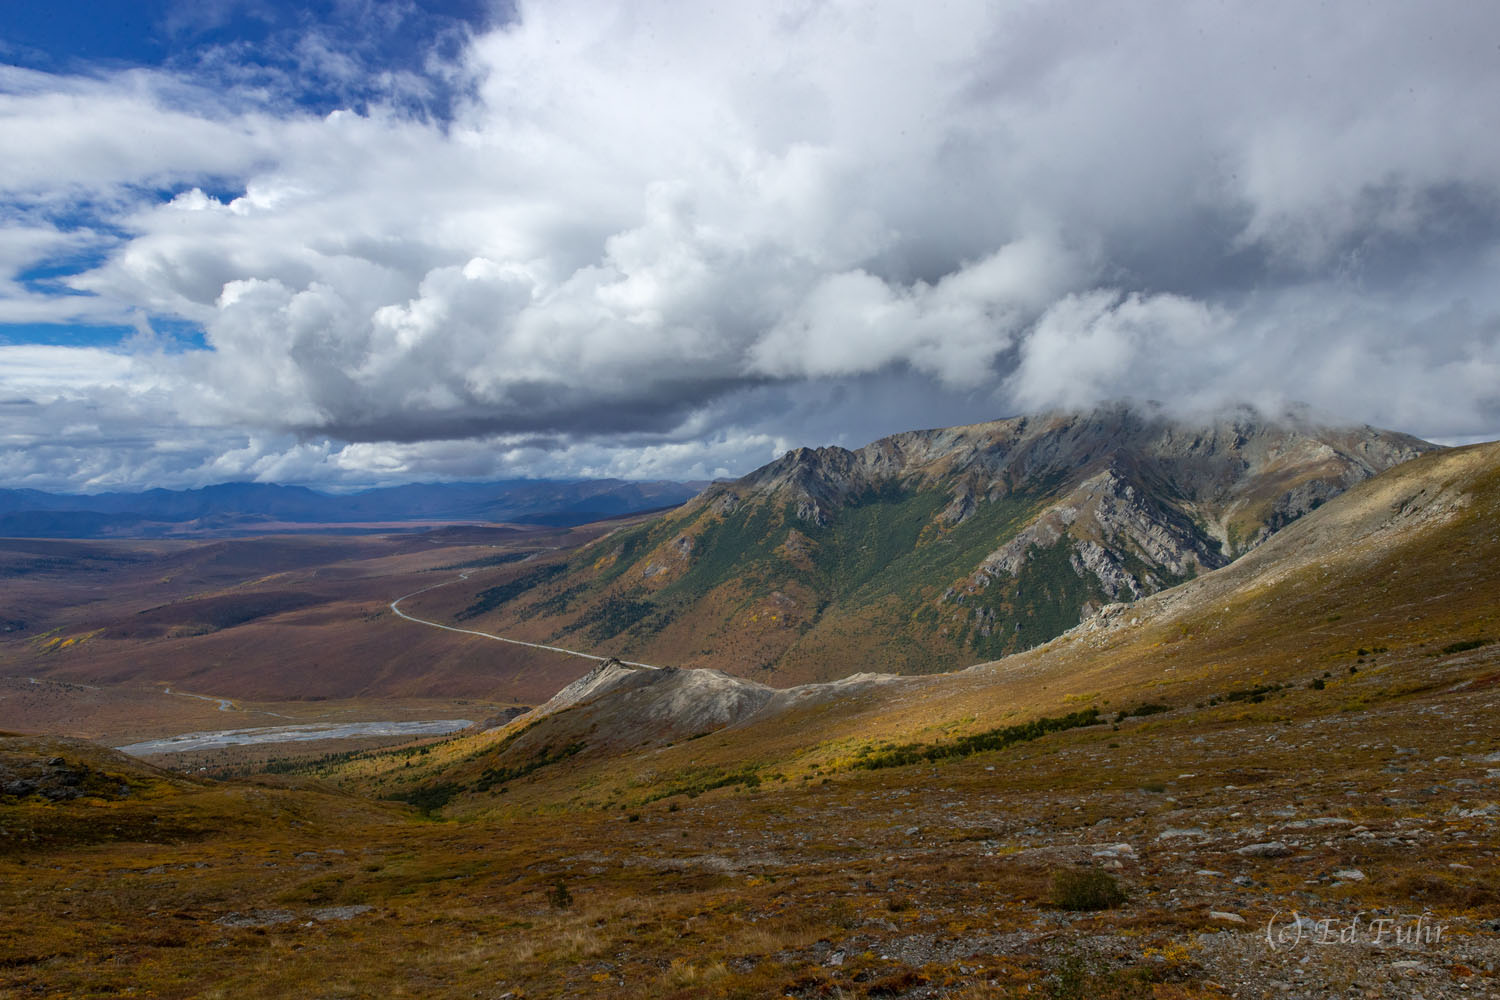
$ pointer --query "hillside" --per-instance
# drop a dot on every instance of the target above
(1146, 806)
(1398, 580)
(933, 548)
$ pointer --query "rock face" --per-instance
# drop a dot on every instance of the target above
(660, 701)
(1180, 496)
(1140, 500)
(616, 706)
(55, 779)
(952, 544)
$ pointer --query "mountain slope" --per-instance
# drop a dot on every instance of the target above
(1385, 595)
(929, 549)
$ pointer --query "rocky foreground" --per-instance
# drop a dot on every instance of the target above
(1348, 856)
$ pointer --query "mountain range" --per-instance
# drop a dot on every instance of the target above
(250, 508)
(933, 548)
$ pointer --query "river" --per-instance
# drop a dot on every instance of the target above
(291, 734)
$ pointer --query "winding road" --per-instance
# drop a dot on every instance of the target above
(498, 638)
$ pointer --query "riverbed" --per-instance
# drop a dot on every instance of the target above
(291, 734)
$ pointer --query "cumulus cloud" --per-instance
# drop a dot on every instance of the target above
(658, 240)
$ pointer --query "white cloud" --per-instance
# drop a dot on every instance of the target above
(852, 322)
(1103, 344)
(35, 371)
(648, 218)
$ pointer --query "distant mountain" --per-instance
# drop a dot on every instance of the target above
(929, 549)
(244, 508)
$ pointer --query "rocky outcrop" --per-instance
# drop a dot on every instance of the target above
(622, 704)
(1106, 521)
(1141, 499)
(617, 705)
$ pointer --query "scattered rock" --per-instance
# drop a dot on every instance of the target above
(1269, 849)
(1316, 822)
(1120, 850)
(327, 913)
(256, 918)
(1349, 875)
(1232, 918)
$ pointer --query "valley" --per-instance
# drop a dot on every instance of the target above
(1279, 777)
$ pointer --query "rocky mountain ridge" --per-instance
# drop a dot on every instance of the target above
(954, 544)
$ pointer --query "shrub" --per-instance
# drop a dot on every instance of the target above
(1069, 981)
(429, 798)
(964, 746)
(841, 914)
(1151, 708)
(559, 896)
(1085, 889)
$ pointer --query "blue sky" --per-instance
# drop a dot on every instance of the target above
(90, 36)
(252, 45)
(354, 243)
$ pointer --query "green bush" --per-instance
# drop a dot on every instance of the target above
(1150, 708)
(429, 798)
(965, 746)
(1085, 889)
(614, 615)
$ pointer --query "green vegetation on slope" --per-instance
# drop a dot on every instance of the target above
(965, 746)
(885, 556)
(493, 597)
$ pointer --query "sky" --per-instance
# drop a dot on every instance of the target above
(349, 243)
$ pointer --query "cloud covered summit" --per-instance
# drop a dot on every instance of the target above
(669, 240)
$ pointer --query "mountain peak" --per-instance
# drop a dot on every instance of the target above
(930, 548)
